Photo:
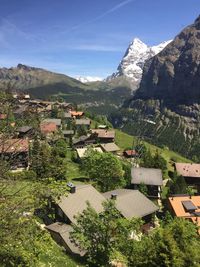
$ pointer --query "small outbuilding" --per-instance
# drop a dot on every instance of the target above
(150, 177)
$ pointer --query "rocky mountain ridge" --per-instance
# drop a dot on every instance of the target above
(173, 75)
(169, 95)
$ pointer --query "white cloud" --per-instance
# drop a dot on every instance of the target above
(96, 47)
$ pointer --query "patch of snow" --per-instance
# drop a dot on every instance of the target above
(88, 79)
(136, 55)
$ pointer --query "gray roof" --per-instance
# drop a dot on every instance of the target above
(83, 122)
(56, 121)
(110, 147)
(132, 203)
(64, 231)
(75, 203)
(68, 132)
(24, 129)
(80, 139)
(67, 115)
(148, 176)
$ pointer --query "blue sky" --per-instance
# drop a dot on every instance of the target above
(85, 37)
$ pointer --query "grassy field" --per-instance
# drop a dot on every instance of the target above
(124, 141)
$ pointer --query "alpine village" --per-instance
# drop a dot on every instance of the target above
(103, 173)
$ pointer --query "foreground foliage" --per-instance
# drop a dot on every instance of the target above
(109, 237)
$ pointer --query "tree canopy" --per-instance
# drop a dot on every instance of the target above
(104, 168)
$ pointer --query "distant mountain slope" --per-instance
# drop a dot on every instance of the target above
(24, 77)
(131, 65)
(173, 75)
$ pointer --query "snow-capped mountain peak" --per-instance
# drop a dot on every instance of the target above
(131, 65)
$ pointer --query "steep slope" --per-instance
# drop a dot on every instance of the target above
(166, 107)
(174, 74)
(131, 66)
(25, 77)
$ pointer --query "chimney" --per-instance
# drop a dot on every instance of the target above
(72, 187)
(114, 196)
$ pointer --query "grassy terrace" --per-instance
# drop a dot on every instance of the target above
(124, 141)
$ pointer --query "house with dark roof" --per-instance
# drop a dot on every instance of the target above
(16, 152)
(84, 141)
(83, 123)
(131, 203)
(76, 202)
(25, 132)
(187, 207)
(191, 173)
(150, 177)
(104, 135)
(66, 210)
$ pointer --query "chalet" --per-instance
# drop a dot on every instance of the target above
(25, 132)
(130, 203)
(150, 177)
(15, 151)
(83, 141)
(56, 121)
(83, 122)
(191, 173)
(131, 153)
(133, 204)
(81, 152)
(76, 202)
(48, 128)
(187, 207)
(104, 136)
(68, 208)
(110, 147)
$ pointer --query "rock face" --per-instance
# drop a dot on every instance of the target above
(134, 59)
(173, 75)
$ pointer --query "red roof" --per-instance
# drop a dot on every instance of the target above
(48, 127)
(130, 152)
(14, 145)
